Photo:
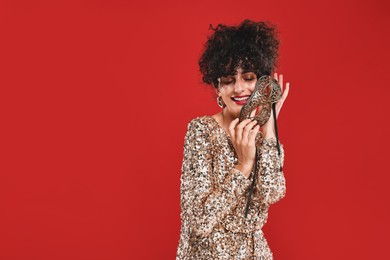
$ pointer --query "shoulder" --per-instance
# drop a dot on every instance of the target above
(201, 123)
(200, 129)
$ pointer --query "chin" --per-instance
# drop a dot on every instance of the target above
(234, 111)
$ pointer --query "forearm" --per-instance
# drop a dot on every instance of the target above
(271, 183)
(269, 132)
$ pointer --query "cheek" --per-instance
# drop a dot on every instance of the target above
(253, 84)
(252, 87)
(225, 94)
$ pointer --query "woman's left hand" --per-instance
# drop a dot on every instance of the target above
(268, 128)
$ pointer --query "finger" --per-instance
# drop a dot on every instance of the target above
(231, 128)
(253, 113)
(253, 134)
(276, 76)
(279, 104)
(239, 128)
(285, 93)
(247, 129)
(244, 123)
(281, 80)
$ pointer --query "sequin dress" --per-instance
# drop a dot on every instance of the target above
(213, 195)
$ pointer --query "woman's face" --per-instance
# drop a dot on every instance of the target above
(236, 89)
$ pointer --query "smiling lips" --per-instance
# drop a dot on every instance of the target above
(240, 100)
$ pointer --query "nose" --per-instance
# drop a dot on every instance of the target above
(238, 87)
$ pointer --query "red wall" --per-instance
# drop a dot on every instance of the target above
(95, 97)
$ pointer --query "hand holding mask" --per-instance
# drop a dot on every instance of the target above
(266, 93)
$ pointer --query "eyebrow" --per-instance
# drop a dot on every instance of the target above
(244, 72)
(247, 71)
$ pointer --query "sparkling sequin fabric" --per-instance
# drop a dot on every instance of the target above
(214, 194)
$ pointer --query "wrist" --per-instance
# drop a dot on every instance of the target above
(268, 132)
(246, 169)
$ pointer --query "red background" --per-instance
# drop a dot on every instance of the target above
(96, 96)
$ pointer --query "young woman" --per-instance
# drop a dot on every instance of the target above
(219, 152)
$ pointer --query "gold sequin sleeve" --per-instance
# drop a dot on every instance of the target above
(271, 184)
(205, 203)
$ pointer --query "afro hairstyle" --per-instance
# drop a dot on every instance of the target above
(253, 46)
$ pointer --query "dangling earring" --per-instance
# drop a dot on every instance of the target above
(220, 102)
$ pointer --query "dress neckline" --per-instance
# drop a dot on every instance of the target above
(219, 126)
(224, 131)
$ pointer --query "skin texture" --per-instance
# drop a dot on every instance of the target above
(243, 134)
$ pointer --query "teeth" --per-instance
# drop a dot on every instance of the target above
(241, 99)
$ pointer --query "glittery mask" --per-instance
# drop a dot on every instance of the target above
(267, 91)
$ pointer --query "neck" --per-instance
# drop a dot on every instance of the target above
(226, 118)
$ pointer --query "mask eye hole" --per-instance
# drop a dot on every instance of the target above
(267, 90)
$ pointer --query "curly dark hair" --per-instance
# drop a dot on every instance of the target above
(253, 46)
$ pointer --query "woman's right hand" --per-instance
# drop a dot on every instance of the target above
(243, 138)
